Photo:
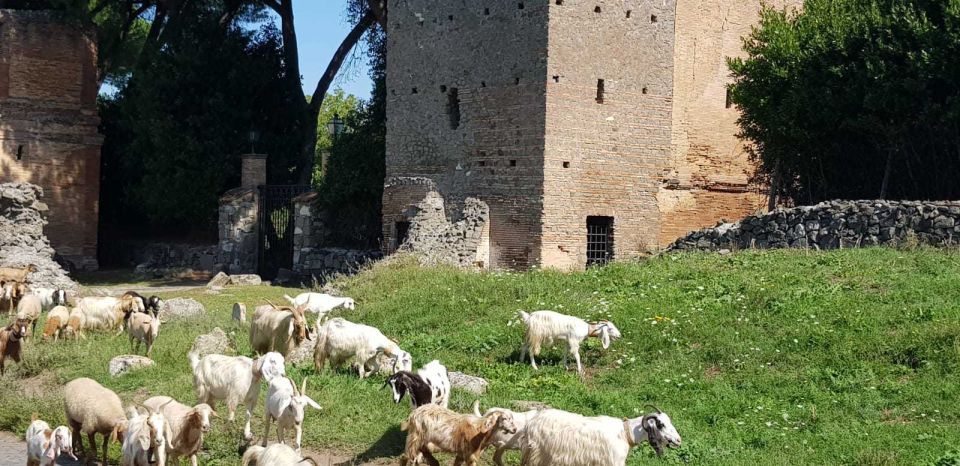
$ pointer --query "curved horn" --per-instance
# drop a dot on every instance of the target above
(476, 408)
(303, 388)
(293, 384)
(654, 408)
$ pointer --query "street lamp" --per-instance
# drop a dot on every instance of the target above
(253, 136)
(335, 126)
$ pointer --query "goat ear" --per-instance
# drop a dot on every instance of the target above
(312, 403)
(605, 337)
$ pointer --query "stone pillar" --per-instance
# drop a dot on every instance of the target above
(239, 245)
(253, 170)
(305, 239)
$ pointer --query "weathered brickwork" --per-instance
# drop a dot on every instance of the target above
(552, 112)
(48, 125)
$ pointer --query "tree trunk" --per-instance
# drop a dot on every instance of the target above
(884, 185)
(774, 188)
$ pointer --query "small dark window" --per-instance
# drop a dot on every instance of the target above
(566, 164)
(20, 152)
(482, 163)
(644, 90)
(450, 17)
(599, 240)
(520, 6)
(453, 107)
(729, 102)
(556, 79)
(443, 89)
(414, 91)
(559, 2)
(596, 9)
(482, 153)
(653, 18)
(629, 13)
(513, 163)
(486, 11)
(403, 228)
(483, 84)
(393, 91)
(516, 81)
(600, 91)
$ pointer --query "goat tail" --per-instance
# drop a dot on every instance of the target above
(476, 408)
(524, 317)
(320, 350)
(194, 357)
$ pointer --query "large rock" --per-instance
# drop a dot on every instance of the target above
(221, 279)
(215, 342)
(178, 308)
(302, 353)
(239, 312)
(22, 241)
(125, 363)
(245, 280)
(472, 384)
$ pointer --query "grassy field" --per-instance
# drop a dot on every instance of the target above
(783, 357)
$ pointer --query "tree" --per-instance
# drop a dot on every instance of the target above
(339, 104)
(854, 99)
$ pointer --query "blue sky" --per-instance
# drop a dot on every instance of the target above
(321, 26)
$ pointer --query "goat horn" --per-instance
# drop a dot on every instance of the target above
(654, 407)
(270, 303)
(294, 384)
(303, 389)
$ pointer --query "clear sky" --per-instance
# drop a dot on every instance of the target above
(321, 26)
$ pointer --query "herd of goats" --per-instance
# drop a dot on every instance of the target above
(161, 427)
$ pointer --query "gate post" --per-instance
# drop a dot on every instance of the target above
(238, 223)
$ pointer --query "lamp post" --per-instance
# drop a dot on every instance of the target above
(253, 136)
(334, 128)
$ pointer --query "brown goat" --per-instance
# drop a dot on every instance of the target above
(466, 435)
(10, 337)
(10, 294)
(16, 274)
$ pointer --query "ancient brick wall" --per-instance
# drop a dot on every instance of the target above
(606, 144)
(48, 125)
(466, 97)
(710, 169)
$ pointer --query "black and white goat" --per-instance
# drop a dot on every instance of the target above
(430, 385)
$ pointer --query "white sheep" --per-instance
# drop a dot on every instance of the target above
(501, 440)
(143, 328)
(187, 426)
(429, 385)
(234, 379)
(434, 428)
(50, 297)
(44, 445)
(560, 438)
(29, 309)
(286, 405)
(340, 341)
(75, 324)
(278, 329)
(277, 454)
(93, 409)
(544, 328)
(148, 435)
(320, 303)
(57, 319)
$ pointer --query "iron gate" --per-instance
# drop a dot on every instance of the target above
(599, 240)
(276, 228)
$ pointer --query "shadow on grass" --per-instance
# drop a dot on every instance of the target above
(389, 445)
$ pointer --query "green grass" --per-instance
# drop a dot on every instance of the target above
(782, 357)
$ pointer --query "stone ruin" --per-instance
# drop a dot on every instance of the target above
(22, 241)
(462, 241)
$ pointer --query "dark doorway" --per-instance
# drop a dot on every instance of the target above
(599, 240)
(402, 228)
(276, 228)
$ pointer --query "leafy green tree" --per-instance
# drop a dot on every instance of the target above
(854, 99)
(340, 104)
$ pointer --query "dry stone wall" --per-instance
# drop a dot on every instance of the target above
(238, 230)
(833, 225)
(22, 241)
(438, 240)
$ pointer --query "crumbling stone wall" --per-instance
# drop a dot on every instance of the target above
(48, 124)
(238, 227)
(22, 241)
(463, 241)
(312, 255)
(833, 225)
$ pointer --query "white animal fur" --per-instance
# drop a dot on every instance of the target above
(503, 441)
(320, 303)
(143, 328)
(277, 454)
(187, 426)
(286, 405)
(29, 308)
(101, 312)
(50, 297)
(340, 341)
(234, 379)
(146, 430)
(560, 438)
(44, 445)
(75, 324)
(278, 329)
(544, 328)
(93, 409)
(56, 321)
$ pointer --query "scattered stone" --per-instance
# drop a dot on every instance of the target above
(302, 353)
(215, 342)
(472, 384)
(178, 308)
(239, 312)
(219, 280)
(245, 280)
(124, 363)
(22, 241)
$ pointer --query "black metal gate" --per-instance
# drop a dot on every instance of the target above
(599, 240)
(276, 228)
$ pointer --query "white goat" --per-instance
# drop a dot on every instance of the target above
(546, 327)
(277, 454)
(29, 309)
(429, 385)
(44, 445)
(435, 428)
(101, 312)
(501, 440)
(286, 405)
(560, 438)
(320, 303)
(187, 426)
(148, 434)
(143, 328)
(340, 340)
(278, 329)
(234, 379)
(50, 297)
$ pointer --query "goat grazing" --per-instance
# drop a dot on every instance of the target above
(559, 438)
(234, 379)
(143, 328)
(340, 340)
(57, 319)
(501, 440)
(432, 427)
(187, 426)
(11, 338)
(50, 297)
(148, 435)
(16, 274)
(277, 454)
(278, 329)
(102, 312)
(320, 303)
(45, 445)
(286, 405)
(29, 309)
(546, 327)
(93, 409)
(429, 385)
(75, 324)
